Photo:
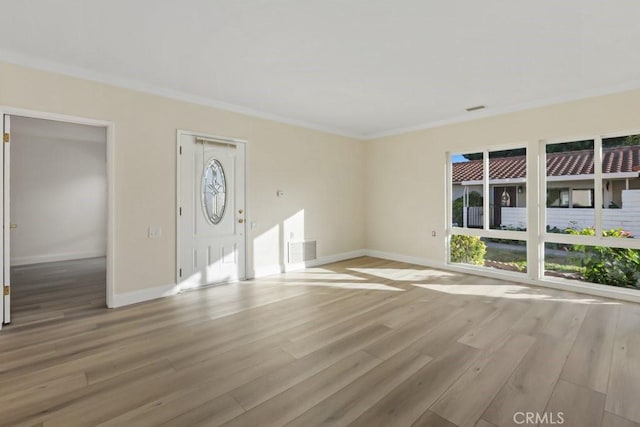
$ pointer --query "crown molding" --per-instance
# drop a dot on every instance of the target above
(30, 61)
(140, 86)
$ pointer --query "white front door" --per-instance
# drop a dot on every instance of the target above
(211, 211)
(5, 306)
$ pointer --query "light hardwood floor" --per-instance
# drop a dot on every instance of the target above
(364, 342)
(47, 292)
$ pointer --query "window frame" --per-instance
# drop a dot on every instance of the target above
(536, 235)
(598, 239)
(486, 231)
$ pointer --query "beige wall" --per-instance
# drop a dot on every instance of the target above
(58, 197)
(326, 176)
(320, 173)
(405, 174)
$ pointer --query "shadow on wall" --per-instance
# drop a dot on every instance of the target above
(270, 254)
(270, 249)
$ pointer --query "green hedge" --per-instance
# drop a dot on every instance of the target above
(609, 266)
(467, 250)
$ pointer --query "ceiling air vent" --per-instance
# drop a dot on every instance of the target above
(476, 108)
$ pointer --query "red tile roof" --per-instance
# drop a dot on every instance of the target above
(614, 160)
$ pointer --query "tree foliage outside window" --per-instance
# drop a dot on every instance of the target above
(475, 200)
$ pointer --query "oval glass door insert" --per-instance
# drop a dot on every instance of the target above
(214, 191)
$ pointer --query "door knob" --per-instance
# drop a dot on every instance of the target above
(241, 220)
(12, 226)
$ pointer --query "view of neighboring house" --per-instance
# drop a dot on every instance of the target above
(570, 190)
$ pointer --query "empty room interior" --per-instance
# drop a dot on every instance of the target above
(300, 213)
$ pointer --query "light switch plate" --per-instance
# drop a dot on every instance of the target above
(155, 232)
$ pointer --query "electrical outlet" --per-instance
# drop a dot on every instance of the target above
(433, 233)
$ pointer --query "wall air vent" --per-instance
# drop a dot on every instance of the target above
(302, 251)
(476, 108)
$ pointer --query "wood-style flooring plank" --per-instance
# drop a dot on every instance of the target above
(264, 388)
(465, 401)
(624, 381)
(406, 403)
(579, 406)
(530, 385)
(347, 404)
(431, 419)
(588, 364)
(292, 402)
(612, 420)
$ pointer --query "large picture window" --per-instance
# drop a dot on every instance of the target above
(489, 209)
(587, 225)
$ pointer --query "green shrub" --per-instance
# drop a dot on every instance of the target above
(609, 266)
(467, 250)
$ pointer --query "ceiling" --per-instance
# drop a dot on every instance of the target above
(362, 68)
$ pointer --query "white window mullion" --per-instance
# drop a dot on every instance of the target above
(597, 187)
(541, 201)
(449, 206)
(485, 190)
(533, 225)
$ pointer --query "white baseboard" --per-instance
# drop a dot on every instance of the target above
(127, 298)
(278, 269)
(268, 270)
(325, 260)
(38, 259)
(425, 262)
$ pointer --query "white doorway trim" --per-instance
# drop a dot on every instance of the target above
(179, 134)
(110, 131)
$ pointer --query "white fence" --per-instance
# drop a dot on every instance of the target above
(627, 218)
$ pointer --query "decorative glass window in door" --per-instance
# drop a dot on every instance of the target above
(214, 191)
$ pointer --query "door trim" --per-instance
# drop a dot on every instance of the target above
(179, 134)
(110, 134)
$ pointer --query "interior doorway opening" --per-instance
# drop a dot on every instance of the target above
(56, 199)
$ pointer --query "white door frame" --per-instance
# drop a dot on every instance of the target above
(110, 128)
(179, 134)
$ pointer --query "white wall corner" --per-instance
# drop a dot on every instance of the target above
(128, 298)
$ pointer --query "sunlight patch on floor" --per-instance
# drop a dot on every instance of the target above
(349, 285)
(404, 274)
(516, 292)
(307, 275)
